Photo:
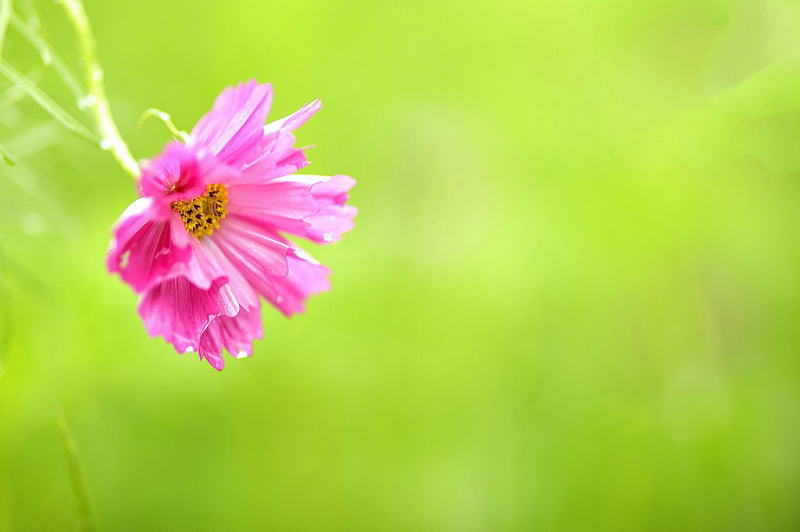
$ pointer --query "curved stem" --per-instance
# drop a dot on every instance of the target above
(167, 121)
(101, 110)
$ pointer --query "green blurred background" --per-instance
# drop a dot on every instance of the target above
(570, 301)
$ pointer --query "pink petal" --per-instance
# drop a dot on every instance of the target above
(244, 241)
(236, 334)
(275, 268)
(313, 207)
(334, 216)
(275, 154)
(181, 172)
(296, 119)
(234, 124)
(237, 283)
(174, 170)
(180, 312)
(143, 249)
(306, 277)
(256, 254)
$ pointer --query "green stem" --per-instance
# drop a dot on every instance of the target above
(101, 110)
(167, 121)
(48, 55)
(78, 485)
(6, 157)
(47, 103)
(5, 16)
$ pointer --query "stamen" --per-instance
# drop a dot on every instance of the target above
(201, 215)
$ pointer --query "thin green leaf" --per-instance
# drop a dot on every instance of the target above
(85, 523)
(34, 39)
(25, 7)
(48, 55)
(45, 102)
(6, 156)
(14, 93)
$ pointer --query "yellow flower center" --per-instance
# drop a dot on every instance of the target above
(201, 215)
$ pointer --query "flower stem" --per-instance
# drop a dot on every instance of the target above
(5, 16)
(111, 139)
(6, 156)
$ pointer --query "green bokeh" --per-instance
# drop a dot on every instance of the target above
(570, 301)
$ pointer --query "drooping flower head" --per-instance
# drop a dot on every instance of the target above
(205, 240)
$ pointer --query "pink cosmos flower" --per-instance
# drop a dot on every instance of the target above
(206, 237)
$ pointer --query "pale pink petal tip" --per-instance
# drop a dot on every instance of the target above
(306, 277)
(234, 334)
(275, 154)
(300, 117)
(334, 216)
